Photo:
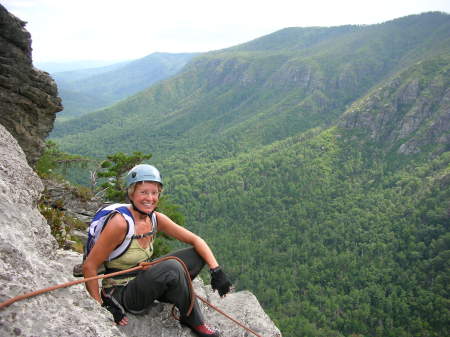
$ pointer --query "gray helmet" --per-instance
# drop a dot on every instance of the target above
(143, 172)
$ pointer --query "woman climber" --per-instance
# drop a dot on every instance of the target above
(126, 239)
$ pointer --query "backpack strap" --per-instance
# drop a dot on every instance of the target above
(122, 248)
(154, 222)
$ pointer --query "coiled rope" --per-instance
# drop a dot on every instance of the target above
(141, 266)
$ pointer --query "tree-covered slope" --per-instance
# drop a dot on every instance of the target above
(341, 231)
(89, 89)
(329, 240)
(230, 101)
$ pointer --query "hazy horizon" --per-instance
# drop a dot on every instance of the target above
(109, 30)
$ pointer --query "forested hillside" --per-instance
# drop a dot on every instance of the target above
(337, 231)
(316, 163)
(89, 89)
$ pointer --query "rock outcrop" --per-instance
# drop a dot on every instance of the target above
(410, 113)
(30, 261)
(28, 97)
(64, 196)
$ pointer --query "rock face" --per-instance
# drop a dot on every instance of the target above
(64, 196)
(242, 306)
(30, 261)
(411, 112)
(28, 97)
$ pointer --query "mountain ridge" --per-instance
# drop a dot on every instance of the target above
(88, 89)
(305, 91)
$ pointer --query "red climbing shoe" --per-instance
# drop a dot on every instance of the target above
(204, 331)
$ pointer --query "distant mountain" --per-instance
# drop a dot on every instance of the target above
(269, 89)
(86, 90)
(56, 67)
(316, 163)
(78, 74)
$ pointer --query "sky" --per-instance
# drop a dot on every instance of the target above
(115, 30)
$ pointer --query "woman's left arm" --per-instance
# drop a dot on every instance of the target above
(166, 225)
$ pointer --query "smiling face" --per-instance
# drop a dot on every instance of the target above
(145, 195)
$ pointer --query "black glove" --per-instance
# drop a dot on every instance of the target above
(219, 281)
(113, 306)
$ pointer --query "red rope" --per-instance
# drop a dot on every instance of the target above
(64, 285)
(227, 316)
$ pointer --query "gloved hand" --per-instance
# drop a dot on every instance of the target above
(220, 281)
(113, 307)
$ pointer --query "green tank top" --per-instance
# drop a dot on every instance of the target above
(134, 255)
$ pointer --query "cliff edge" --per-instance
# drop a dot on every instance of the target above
(28, 97)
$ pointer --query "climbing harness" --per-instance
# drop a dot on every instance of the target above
(141, 266)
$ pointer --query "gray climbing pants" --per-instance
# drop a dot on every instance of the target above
(165, 282)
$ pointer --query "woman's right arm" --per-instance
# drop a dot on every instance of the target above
(112, 235)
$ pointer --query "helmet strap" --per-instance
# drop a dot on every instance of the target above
(139, 211)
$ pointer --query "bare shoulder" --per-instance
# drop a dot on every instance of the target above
(164, 221)
(169, 227)
(161, 216)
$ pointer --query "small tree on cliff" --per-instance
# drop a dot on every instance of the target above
(53, 160)
(114, 168)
